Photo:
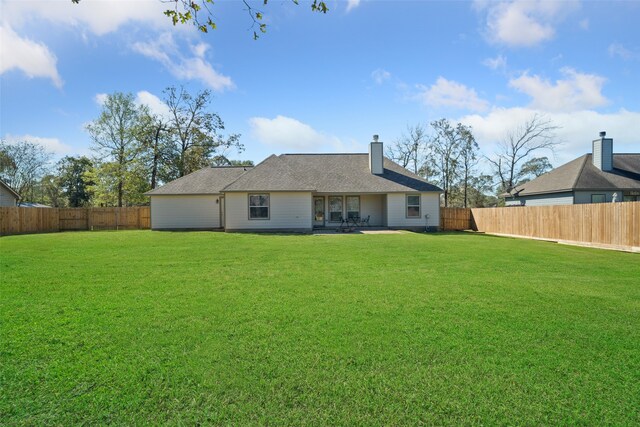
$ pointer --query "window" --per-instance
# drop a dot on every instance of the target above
(598, 198)
(353, 207)
(335, 208)
(258, 206)
(413, 206)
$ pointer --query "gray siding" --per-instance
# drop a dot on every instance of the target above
(542, 200)
(7, 198)
(585, 196)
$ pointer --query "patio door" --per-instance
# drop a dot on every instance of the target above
(318, 211)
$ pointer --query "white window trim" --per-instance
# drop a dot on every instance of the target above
(406, 206)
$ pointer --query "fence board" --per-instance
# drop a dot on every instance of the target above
(17, 220)
(615, 224)
(455, 219)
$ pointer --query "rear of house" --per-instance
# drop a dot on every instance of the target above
(299, 193)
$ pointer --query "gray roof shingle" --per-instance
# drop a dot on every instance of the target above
(210, 180)
(328, 173)
(581, 174)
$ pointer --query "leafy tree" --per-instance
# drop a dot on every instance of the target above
(48, 192)
(22, 165)
(222, 160)
(468, 158)
(114, 137)
(517, 148)
(200, 14)
(196, 132)
(533, 168)
(73, 180)
(445, 150)
(106, 178)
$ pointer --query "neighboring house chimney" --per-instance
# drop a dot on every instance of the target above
(603, 152)
(376, 158)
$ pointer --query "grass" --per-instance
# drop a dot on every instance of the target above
(213, 328)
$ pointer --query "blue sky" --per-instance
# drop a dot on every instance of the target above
(326, 83)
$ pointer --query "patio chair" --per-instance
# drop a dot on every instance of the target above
(364, 222)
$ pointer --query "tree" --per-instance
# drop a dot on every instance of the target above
(468, 158)
(195, 131)
(73, 180)
(518, 146)
(200, 14)
(48, 192)
(444, 154)
(410, 149)
(114, 137)
(533, 168)
(154, 133)
(224, 161)
(22, 165)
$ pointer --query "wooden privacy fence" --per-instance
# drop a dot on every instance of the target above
(16, 220)
(455, 219)
(616, 224)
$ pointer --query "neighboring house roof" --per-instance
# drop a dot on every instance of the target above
(11, 190)
(209, 180)
(328, 173)
(582, 174)
(33, 205)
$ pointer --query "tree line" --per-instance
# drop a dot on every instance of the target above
(447, 154)
(133, 151)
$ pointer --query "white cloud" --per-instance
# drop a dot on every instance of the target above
(380, 76)
(577, 129)
(578, 91)
(100, 99)
(499, 62)
(448, 93)
(286, 133)
(522, 23)
(52, 145)
(99, 17)
(165, 50)
(352, 4)
(617, 49)
(32, 58)
(155, 104)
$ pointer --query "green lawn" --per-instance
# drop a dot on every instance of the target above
(213, 328)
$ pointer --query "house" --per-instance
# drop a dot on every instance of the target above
(599, 177)
(298, 192)
(8, 197)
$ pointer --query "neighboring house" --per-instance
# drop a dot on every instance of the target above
(599, 177)
(33, 205)
(8, 197)
(298, 192)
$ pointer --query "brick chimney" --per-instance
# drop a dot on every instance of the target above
(376, 157)
(603, 152)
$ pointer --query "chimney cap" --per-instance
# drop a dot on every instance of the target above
(603, 134)
(375, 138)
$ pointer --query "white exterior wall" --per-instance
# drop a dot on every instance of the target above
(397, 210)
(372, 205)
(287, 210)
(7, 198)
(185, 212)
